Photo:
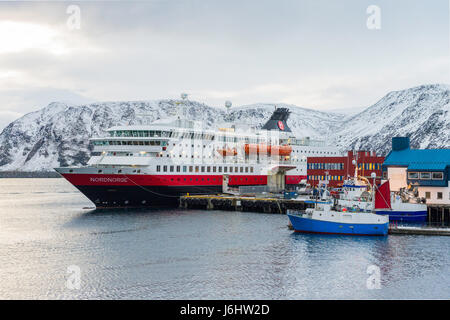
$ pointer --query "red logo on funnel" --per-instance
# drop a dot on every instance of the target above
(281, 125)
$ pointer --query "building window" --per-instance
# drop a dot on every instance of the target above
(425, 176)
(427, 195)
(437, 175)
(413, 175)
(439, 195)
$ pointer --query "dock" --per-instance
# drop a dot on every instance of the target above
(243, 203)
(412, 230)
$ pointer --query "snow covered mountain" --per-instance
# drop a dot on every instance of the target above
(58, 134)
(422, 113)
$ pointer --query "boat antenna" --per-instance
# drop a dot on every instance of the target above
(373, 175)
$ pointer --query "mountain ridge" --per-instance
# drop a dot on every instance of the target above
(57, 135)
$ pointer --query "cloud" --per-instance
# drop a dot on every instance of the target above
(316, 54)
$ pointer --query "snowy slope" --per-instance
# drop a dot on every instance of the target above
(58, 134)
(422, 113)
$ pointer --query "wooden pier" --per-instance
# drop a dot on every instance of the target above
(242, 203)
(439, 214)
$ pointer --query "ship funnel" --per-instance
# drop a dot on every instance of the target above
(278, 120)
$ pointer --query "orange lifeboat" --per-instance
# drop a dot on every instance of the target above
(281, 150)
(227, 152)
(257, 148)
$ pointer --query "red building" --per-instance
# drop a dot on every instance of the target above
(338, 169)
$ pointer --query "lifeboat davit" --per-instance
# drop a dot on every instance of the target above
(227, 152)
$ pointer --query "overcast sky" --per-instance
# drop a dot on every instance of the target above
(315, 54)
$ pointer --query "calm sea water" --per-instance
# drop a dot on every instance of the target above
(177, 254)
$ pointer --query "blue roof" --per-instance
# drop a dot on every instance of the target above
(417, 159)
(428, 166)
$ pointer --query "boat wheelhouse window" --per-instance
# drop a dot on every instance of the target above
(413, 175)
(158, 168)
(425, 175)
(165, 168)
(437, 175)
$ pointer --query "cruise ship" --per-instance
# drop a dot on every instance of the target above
(153, 165)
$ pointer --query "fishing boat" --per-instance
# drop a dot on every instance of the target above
(328, 217)
(356, 193)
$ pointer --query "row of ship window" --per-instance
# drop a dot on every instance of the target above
(224, 169)
(129, 143)
(425, 175)
(164, 143)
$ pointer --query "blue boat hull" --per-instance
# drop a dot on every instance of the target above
(308, 225)
(405, 216)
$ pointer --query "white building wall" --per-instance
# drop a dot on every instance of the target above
(434, 193)
(397, 178)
